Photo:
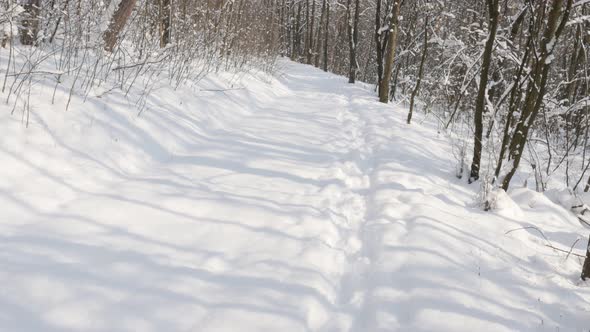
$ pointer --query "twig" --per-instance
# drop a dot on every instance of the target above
(530, 227)
(40, 72)
(569, 253)
(572, 248)
(140, 64)
(549, 245)
(222, 90)
(584, 221)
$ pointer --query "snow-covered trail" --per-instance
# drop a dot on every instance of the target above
(300, 205)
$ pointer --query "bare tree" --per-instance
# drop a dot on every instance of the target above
(480, 104)
(536, 90)
(420, 71)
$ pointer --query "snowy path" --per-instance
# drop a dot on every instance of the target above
(303, 205)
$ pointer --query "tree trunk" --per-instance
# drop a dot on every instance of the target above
(538, 85)
(59, 19)
(306, 34)
(586, 267)
(29, 25)
(512, 106)
(578, 55)
(378, 43)
(310, 34)
(391, 45)
(297, 34)
(353, 23)
(165, 21)
(420, 71)
(118, 21)
(326, 36)
(480, 103)
(319, 38)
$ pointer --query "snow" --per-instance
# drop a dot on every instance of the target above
(581, 2)
(504, 205)
(295, 203)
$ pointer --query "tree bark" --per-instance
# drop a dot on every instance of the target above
(391, 46)
(118, 21)
(353, 23)
(378, 44)
(319, 38)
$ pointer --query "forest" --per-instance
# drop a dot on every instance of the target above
(507, 78)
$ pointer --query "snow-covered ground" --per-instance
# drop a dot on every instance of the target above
(296, 203)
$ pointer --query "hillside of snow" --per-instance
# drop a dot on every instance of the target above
(287, 203)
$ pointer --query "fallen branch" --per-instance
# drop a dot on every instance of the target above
(40, 72)
(583, 221)
(529, 227)
(222, 90)
(549, 244)
(141, 64)
(571, 249)
(568, 252)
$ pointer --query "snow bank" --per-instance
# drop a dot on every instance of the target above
(504, 205)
